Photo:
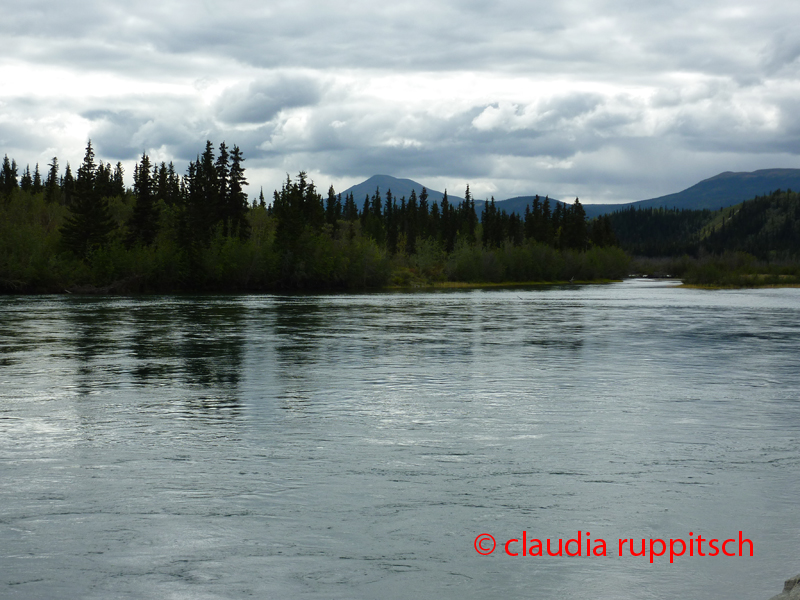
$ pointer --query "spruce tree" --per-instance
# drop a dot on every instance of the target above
(411, 220)
(423, 214)
(390, 217)
(68, 186)
(26, 181)
(37, 180)
(237, 198)
(331, 216)
(449, 226)
(8, 177)
(89, 224)
(143, 225)
(118, 181)
(102, 184)
(173, 195)
(52, 190)
(223, 209)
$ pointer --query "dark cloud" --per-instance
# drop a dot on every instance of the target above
(260, 101)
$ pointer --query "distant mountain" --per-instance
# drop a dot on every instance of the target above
(403, 187)
(723, 190)
(399, 187)
(517, 204)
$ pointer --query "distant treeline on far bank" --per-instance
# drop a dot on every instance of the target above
(756, 242)
(87, 232)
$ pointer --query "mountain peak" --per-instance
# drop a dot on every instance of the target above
(399, 188)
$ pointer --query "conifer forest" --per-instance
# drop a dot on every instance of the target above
(197, 231)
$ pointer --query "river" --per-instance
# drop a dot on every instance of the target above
(354, 446)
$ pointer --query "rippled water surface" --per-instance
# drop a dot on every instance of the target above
(353, 446)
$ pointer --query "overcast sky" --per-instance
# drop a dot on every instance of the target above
(610, 101)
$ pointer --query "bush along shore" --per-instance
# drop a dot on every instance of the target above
(197, 232)
(727, 270)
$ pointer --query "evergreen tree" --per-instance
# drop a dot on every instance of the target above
(237, 198)
(575, 232)
(331, 217)
(390, 218)
(375, 223)
(365, 213)
(292, 207)
(174, 191)
(68, 186)
(194, 210)
(547, 229)
(434, 230)
(350, 208)
(118, 181)
(467, 219)
(52, 190)
(202, 201)
(8, 177)
(224, 210)
(558, 222)
(411, 223)
(143, 224)
(89, 224)
(449, 225)
(37, 180)
(516, 229)
(601, 232)
(161, 181)
(103, 180)
(423, 214)
(26, 181)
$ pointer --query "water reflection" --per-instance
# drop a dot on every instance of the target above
(195, 344)
(211, 343)
(299, 327)
(298, 324)
(93, 324)
(152, 341)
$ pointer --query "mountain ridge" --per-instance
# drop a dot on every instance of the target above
(719, 191)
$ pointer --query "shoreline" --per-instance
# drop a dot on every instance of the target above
(116, 289)
(712, 286)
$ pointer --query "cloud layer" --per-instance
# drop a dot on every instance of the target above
(609, 101)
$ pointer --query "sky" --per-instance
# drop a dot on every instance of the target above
(609, 101)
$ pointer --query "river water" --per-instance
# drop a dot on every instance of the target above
(354, 446)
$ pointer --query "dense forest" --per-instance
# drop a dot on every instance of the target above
(88, 232)
(767, 227)
(755, 242)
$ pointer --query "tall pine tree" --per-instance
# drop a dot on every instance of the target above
(89, 224)
(143, 225)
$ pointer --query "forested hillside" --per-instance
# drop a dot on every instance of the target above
(88, 233)
(659, 231)
(767, 227)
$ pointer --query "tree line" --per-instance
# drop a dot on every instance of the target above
(199, 231)
(766, 227)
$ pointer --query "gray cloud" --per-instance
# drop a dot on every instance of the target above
(260, 101)
(612, 99)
